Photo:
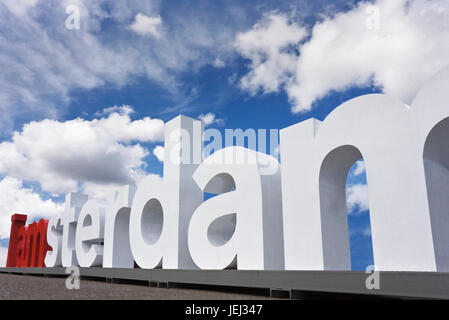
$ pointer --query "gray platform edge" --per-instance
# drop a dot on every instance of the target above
(394, 284)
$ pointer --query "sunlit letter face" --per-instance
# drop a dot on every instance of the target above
(162, 208)
(54, 240)
(89, 235)
(152, 231)
(117, 250)
(406, 154)
(241, 226)
(73, 205)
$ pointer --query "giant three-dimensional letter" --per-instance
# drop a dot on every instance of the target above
(73, 204)
(407, 167)
(161, 209)
(54, 239)
(241, 226)
(90, 235)
(117, 250)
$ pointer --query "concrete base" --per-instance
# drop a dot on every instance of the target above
(297, 283)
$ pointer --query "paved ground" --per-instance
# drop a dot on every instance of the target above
(34, 287)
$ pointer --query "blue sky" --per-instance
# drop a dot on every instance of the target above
(248, 64)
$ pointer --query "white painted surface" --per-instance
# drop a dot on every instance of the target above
(73, 204)
(158, 231)
(117, 249)
(90, 235)
(242, 225)
(406, 152)
(54, 240)
(390, 136)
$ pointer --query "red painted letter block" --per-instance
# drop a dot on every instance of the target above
(17, 223)
(27, 244)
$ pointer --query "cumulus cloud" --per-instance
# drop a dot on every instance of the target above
(218, 63)
(158, 151)
(267, 45)
(397, 53)
(15, 198)
(145, 25)
(359, 168)
(60, 155)
(367, 232)
(357, 198)
(210, 118)
(124, 109)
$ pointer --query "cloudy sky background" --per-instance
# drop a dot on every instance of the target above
(84, 109)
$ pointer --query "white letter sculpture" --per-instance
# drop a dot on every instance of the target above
(54, 240)
(73, 205)
(161, 209)
(165, 223)
(89, 235)
(117, 249)
(404, 147)
(241, 226)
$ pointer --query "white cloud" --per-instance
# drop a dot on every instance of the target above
(218, 63)
(359, 231)
(408, 47)
(60, 155)
(145, 25)
(267, 46)
(359, 168)
(210, 118)
(3, 256)
(158, 151)
(123, 110)
(367, 232)
(19, 7)
(357, 198)
(15, 198)
(123, 129)
(43, 63)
